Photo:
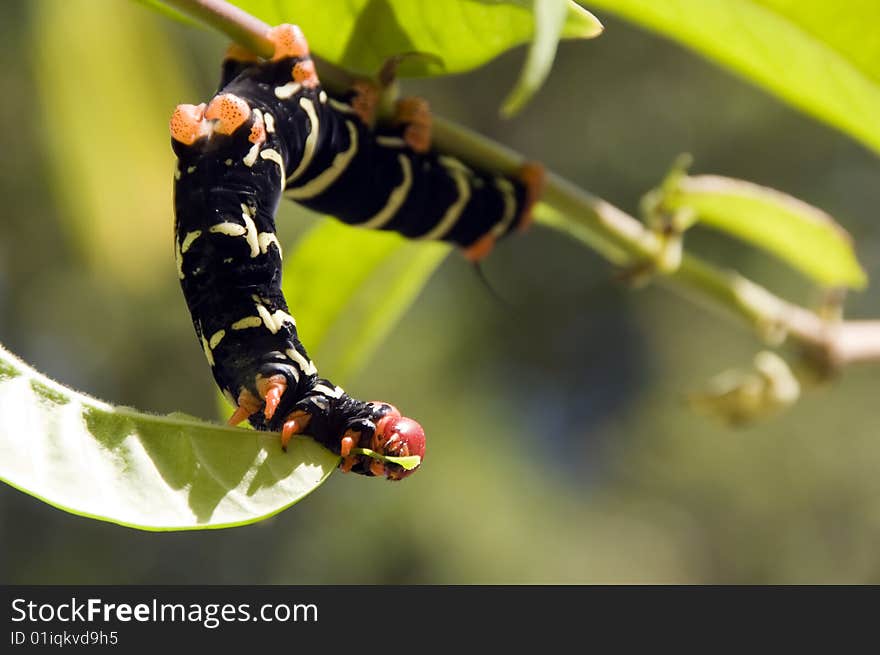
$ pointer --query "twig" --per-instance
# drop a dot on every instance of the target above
(854, 341)
(617, 236)
(246, 30)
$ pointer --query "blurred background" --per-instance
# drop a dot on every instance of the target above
(560, 446)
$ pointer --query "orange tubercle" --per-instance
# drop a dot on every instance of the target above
(304, 73)
(533, 176)
(186, 123)
(230, 112)
(289, 42)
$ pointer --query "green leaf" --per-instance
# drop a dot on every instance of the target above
(549, 20)
(348, 287)
(741, 396)
(805, 237)
(360, 35)
(821, 56)
(409, 462)
(143, 471)
(108, 140)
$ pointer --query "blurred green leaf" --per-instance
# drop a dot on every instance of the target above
(106, 104)
(170, 12)
(820, 56)
(144, 471)
(739, 396)
(360, 35)
(805, 237)
(348, 288)
(550, 16)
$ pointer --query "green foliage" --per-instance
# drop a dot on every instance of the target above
(409, 462)
(440, 37)
(801, 235)
(805, 237)
(175, 472)
(741, 396)
(463, 34)
(143, 471)
(820, 56)
(92, 142)
(639, 491)
(550, 21)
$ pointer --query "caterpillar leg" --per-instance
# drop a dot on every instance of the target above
(367, 94)
(350, 440)
(248, 405)
(295, 423)
(365, 99)
(531, 175)
(413, 115)
(270, 390)
(363, 432)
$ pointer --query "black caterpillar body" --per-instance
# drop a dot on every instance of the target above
(272, 130)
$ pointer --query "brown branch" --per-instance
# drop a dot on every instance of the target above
(851, 342)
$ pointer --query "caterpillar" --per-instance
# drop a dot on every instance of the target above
(271, 130)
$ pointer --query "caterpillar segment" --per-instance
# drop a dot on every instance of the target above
(531, 175)
(272, 131)
(385, 175)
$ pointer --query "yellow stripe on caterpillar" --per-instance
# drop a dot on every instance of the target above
(322, 182)
(395, 199)
(311, 140)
